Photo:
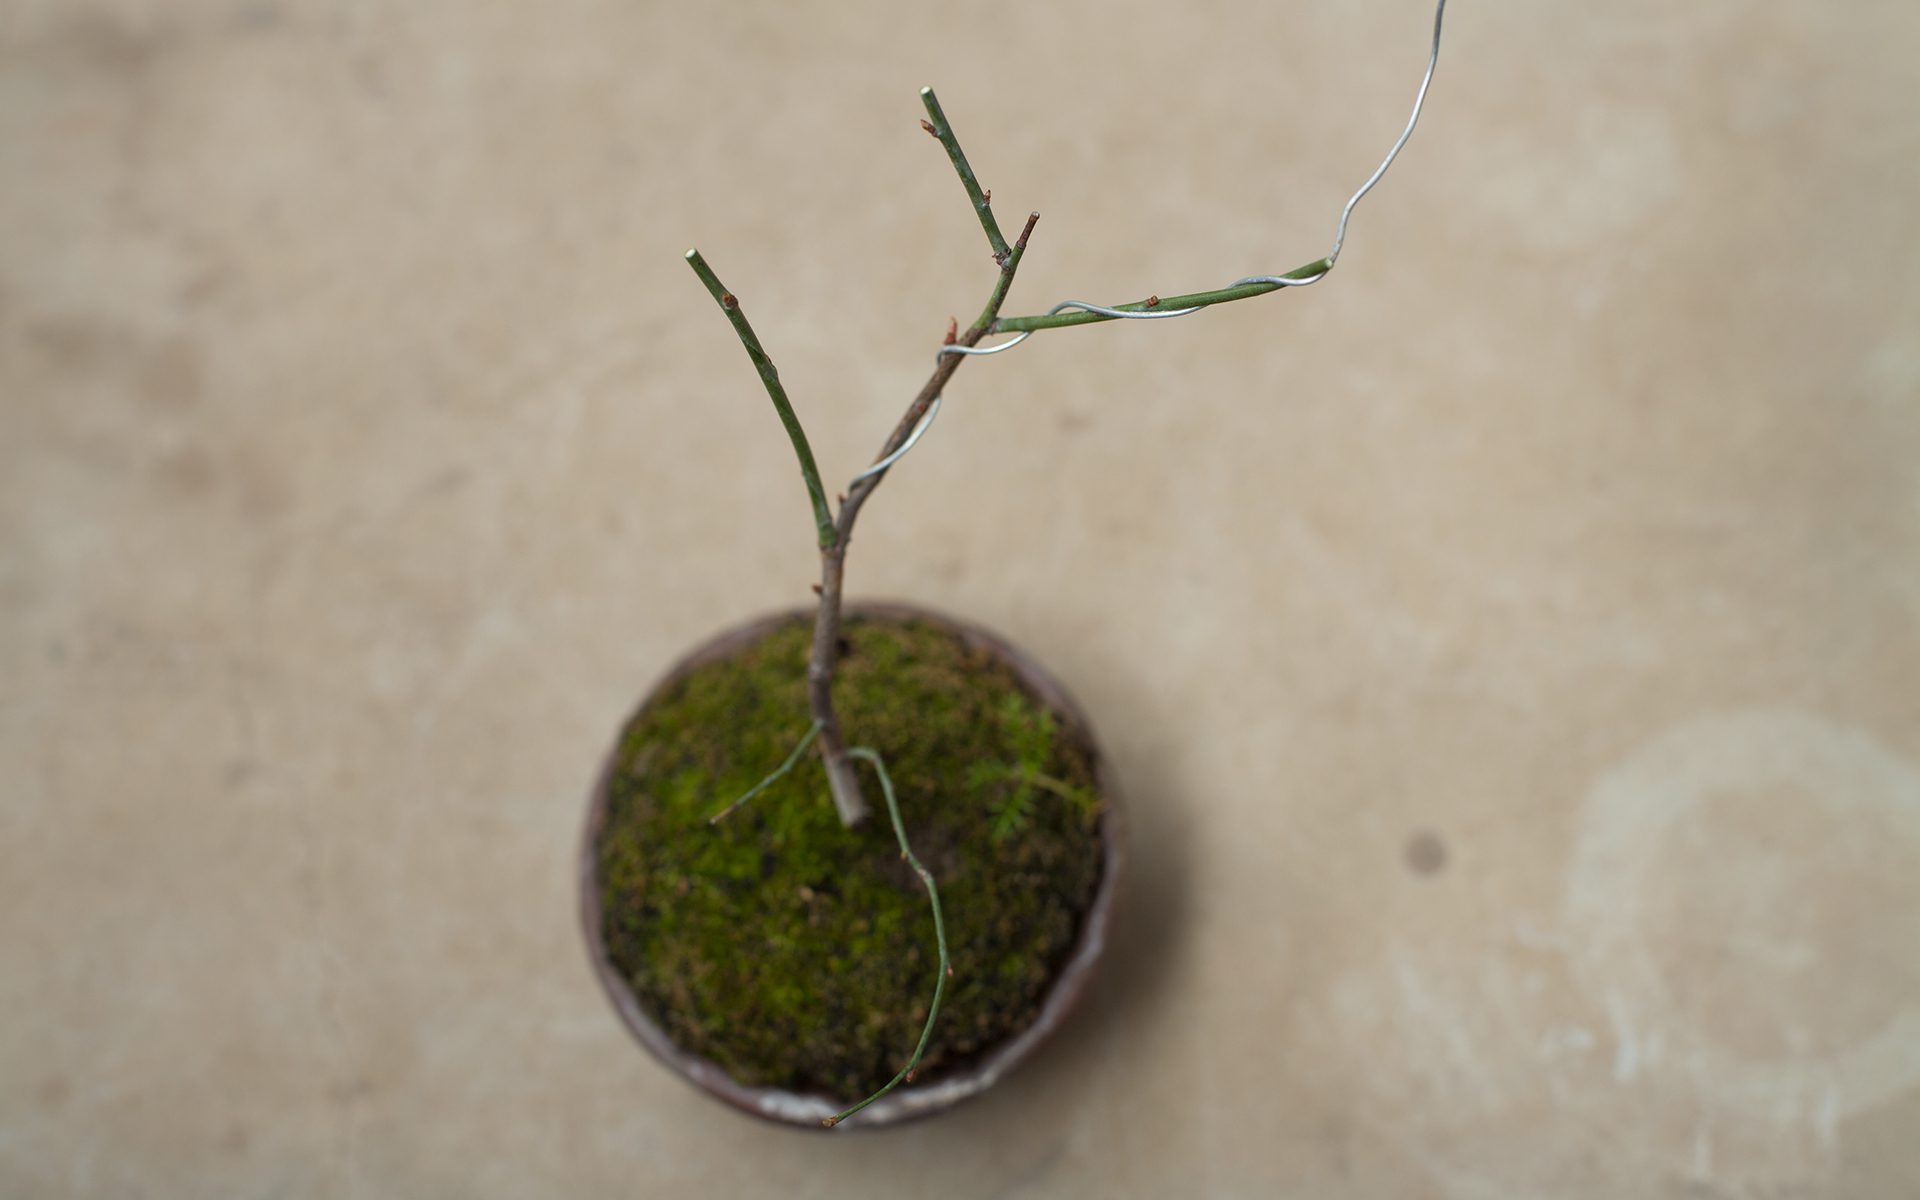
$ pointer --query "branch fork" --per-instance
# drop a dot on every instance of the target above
(835, 530)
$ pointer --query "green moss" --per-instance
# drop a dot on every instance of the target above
(800, 954)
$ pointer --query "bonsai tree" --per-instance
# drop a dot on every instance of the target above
(834, 524)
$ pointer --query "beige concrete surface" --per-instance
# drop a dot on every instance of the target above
(1510, 647)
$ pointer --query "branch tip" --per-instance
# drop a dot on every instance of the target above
(770, 379)
(941, 128)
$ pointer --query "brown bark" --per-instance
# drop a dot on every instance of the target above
(844, 782)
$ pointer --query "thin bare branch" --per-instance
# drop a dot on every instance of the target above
(1079, 312)
(982, 201)
(1073, 313)
(770, 376)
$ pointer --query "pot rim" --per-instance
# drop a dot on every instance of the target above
(908, 1101)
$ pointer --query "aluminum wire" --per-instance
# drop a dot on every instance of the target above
(1333, 257)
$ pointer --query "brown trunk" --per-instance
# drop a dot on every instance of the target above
(841, 777)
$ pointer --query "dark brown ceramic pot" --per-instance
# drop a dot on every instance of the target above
(910, 1101)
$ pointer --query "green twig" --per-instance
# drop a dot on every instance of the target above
(770, 376)
(813, 731)
(982, 201)
(939, 933)
(1191, 300)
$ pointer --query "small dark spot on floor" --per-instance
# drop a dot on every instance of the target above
(187, 472)
(259, 18)
(261, 492)
(206, 285)
(172, 375)
(71, 343)
(1426, 853)
(107, 44)
(450, 479)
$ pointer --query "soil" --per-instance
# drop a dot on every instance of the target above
(798, 954)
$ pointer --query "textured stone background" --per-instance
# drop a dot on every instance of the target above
(1511, 647)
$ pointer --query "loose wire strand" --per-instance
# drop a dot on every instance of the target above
(1339, 237)
(925, 423)
(1279, 281)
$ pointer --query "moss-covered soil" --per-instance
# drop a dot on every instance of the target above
(800, 954)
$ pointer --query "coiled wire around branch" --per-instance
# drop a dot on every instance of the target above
(1278, 281)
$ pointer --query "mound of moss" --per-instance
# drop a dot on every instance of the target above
(798, 953)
